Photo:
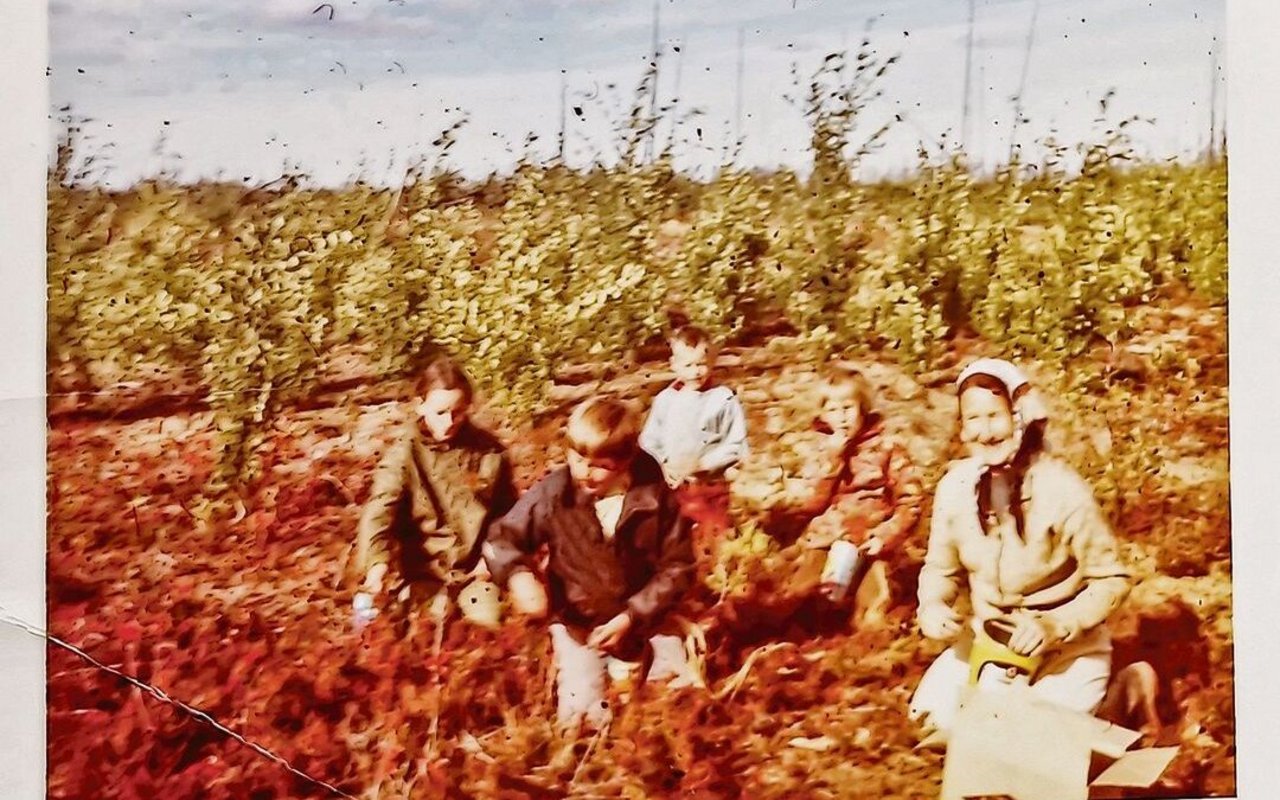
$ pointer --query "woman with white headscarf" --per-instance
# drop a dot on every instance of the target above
(1023, 531)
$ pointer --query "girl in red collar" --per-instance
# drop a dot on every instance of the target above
(871, 496)
(864, 503)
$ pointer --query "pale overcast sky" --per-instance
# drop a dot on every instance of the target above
(239, 87)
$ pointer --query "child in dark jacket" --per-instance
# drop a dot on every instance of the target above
(619, 557)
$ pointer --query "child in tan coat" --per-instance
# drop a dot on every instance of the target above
(871, 496)
(434, 493)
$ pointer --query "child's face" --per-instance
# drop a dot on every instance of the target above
(691, 365)
(841, 410)
(443, 411)
(987, 427)
(597, 475)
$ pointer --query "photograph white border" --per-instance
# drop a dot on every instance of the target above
(24, 147)
(1253, 334)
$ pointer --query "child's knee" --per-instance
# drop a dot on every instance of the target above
(873, 596)
(580, 706)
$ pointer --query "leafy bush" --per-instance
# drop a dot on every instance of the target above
(253, 289)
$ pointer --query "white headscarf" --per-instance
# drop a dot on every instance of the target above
(1027, 403)
(1028, 407)
(1004, 371)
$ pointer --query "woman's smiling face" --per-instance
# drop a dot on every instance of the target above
(987, 426)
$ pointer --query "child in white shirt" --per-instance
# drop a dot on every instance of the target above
(695, 431)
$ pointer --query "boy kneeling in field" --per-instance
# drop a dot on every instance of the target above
(437, 488)
(864, 505)
(619, 557)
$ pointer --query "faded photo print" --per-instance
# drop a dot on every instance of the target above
(633, 399)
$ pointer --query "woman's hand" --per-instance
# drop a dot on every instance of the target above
(1032, 635)
(528, 596)
(607, 636)
(939, 621)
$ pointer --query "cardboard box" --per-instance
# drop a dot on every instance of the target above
(1013, 744)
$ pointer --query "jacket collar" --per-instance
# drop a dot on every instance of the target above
(680, 385)
(986, 473)
(468, 437)
(644, 494)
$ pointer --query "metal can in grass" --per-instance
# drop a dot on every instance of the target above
(362, 610)
(842, 563)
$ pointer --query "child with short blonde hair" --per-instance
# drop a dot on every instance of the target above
(873, 494)
(696, 430)
(872, 498)
(853, 522)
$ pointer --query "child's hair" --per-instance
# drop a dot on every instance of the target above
(863, 394)
(443, 373)
(603, 427)
(676, 317)
(691, 336)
